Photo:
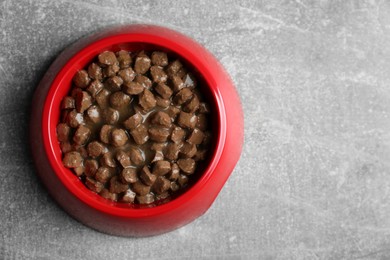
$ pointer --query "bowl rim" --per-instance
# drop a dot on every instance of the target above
(168, 39)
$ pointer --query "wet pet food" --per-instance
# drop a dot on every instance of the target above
(134, 126)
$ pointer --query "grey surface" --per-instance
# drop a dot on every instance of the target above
(313, 180)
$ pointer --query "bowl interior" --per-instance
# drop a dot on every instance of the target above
(61, 87)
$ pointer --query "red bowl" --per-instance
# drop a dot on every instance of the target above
(116, 218)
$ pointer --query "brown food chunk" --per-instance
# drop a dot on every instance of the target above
(161, 102)
(140, 110)
(83, 101)
(93, 114)
(142, 64)
(144, 81)
(146, 176)
(119, 100)
(64, 113)
(182, 73)
(123, 158)
(110, 71)
(129, 196)
(159, 58)
(174, 173)
(161, 185)
(105, 133)
(133, 88)
(174, 186)
(117, 186)
(178, 134)
(94, 88)
(182, 180)
(129, 175)
(75, 119)
(172, 111)
(187, 165)
(174, 67)
(79, 170)
(187, 120)
(107, 58)
(191, 106)
(133, 121)
(147, 100)
(158, 146)
(161, 118)
(108, 160)
(136, 156)
(163, 90)
(202, 122)
(177, 83)
(81, 149)
(118, 137)
(140, 188)
(146, 199)
(196, 137)
(91, 167)
(81, 79)
(72, 160)
(140, 134)
(200, 155)
(161, 167)
(114, 83)
(111, 116)
(102, 98)
(68, 103)
(103, 174)
(158, 134)
(65, 147)
(95, 71)
(81, 135)
(75, 91)
(127, 75)
(188, 150)
(93, 185)
(158, 156)
(182, 96)
(162, 196)
(123, 58)
(158, 74)
(63, 131)
(108, 195)
(172, 151)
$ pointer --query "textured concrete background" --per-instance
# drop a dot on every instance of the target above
(313, 180)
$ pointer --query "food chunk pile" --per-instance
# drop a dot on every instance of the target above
(134, 126)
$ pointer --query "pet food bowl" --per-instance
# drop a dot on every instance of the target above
(119, 218)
